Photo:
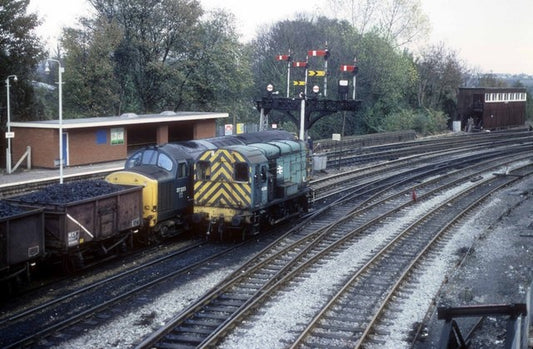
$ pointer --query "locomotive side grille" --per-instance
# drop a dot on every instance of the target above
(220, 189)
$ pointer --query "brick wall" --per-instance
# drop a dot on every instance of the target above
(82, 146)
(43, 142)
(204, 129)
(90, 145)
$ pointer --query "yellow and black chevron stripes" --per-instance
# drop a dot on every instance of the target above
(222, 194)
(220, 190)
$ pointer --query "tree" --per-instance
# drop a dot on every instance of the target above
(400, 22)
(491, 80)
(158, 55)
(385, 83)
(20, 51)
(440, 74)
(89, 74)
(221, 77)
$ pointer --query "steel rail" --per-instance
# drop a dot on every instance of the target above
(163, 331)
(386, 249)
(76, 318)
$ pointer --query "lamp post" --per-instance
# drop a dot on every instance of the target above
(9, 135)
(60, 70)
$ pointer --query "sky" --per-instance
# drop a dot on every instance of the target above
(488, 35)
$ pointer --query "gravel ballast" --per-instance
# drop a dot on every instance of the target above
(487, 260)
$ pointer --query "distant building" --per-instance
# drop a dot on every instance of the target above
(101, 139)
(491, 107)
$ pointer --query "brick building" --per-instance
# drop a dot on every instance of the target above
(101, 139)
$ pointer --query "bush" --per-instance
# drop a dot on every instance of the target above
(424, 122)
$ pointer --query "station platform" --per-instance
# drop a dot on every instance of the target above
(22, 176)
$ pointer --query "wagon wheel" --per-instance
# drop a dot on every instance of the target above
(72, 263)
(67, 265)
(27, 274)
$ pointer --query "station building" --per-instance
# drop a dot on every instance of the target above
(491, 108)
(102, 139)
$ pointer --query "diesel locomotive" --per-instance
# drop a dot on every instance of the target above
(238, 189)
(166, 175)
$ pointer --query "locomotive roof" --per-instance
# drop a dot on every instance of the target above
(251, 154)
(277, 148)
(149, 171)
(265, 136)
(179, 151)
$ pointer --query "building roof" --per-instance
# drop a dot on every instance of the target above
(503, 89)
(122, 120)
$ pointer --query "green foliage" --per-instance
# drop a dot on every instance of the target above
(146, 56)
(385, 83)
(20, 51)
(423, 121)
(89, 67)
(149, 56)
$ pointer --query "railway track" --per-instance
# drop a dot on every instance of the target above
(295, 257)
(72, 312)
(366, 193)
(393, 153)
(350, 317)
(337, 183)
(346, 156)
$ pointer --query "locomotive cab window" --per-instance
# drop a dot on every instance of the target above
(182, 170)
(165, 162)
(203, 170)
(263, 174)
(241, 172)
(149, 157)
(134, 160)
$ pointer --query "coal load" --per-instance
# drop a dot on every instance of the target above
(7, 210)
(58, 194)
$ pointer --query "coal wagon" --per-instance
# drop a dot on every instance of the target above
(21, 240)
(87, 219)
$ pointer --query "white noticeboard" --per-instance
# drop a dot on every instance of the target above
(10, 134)
(336, 136)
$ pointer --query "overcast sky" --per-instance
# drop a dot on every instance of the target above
(490, 35)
